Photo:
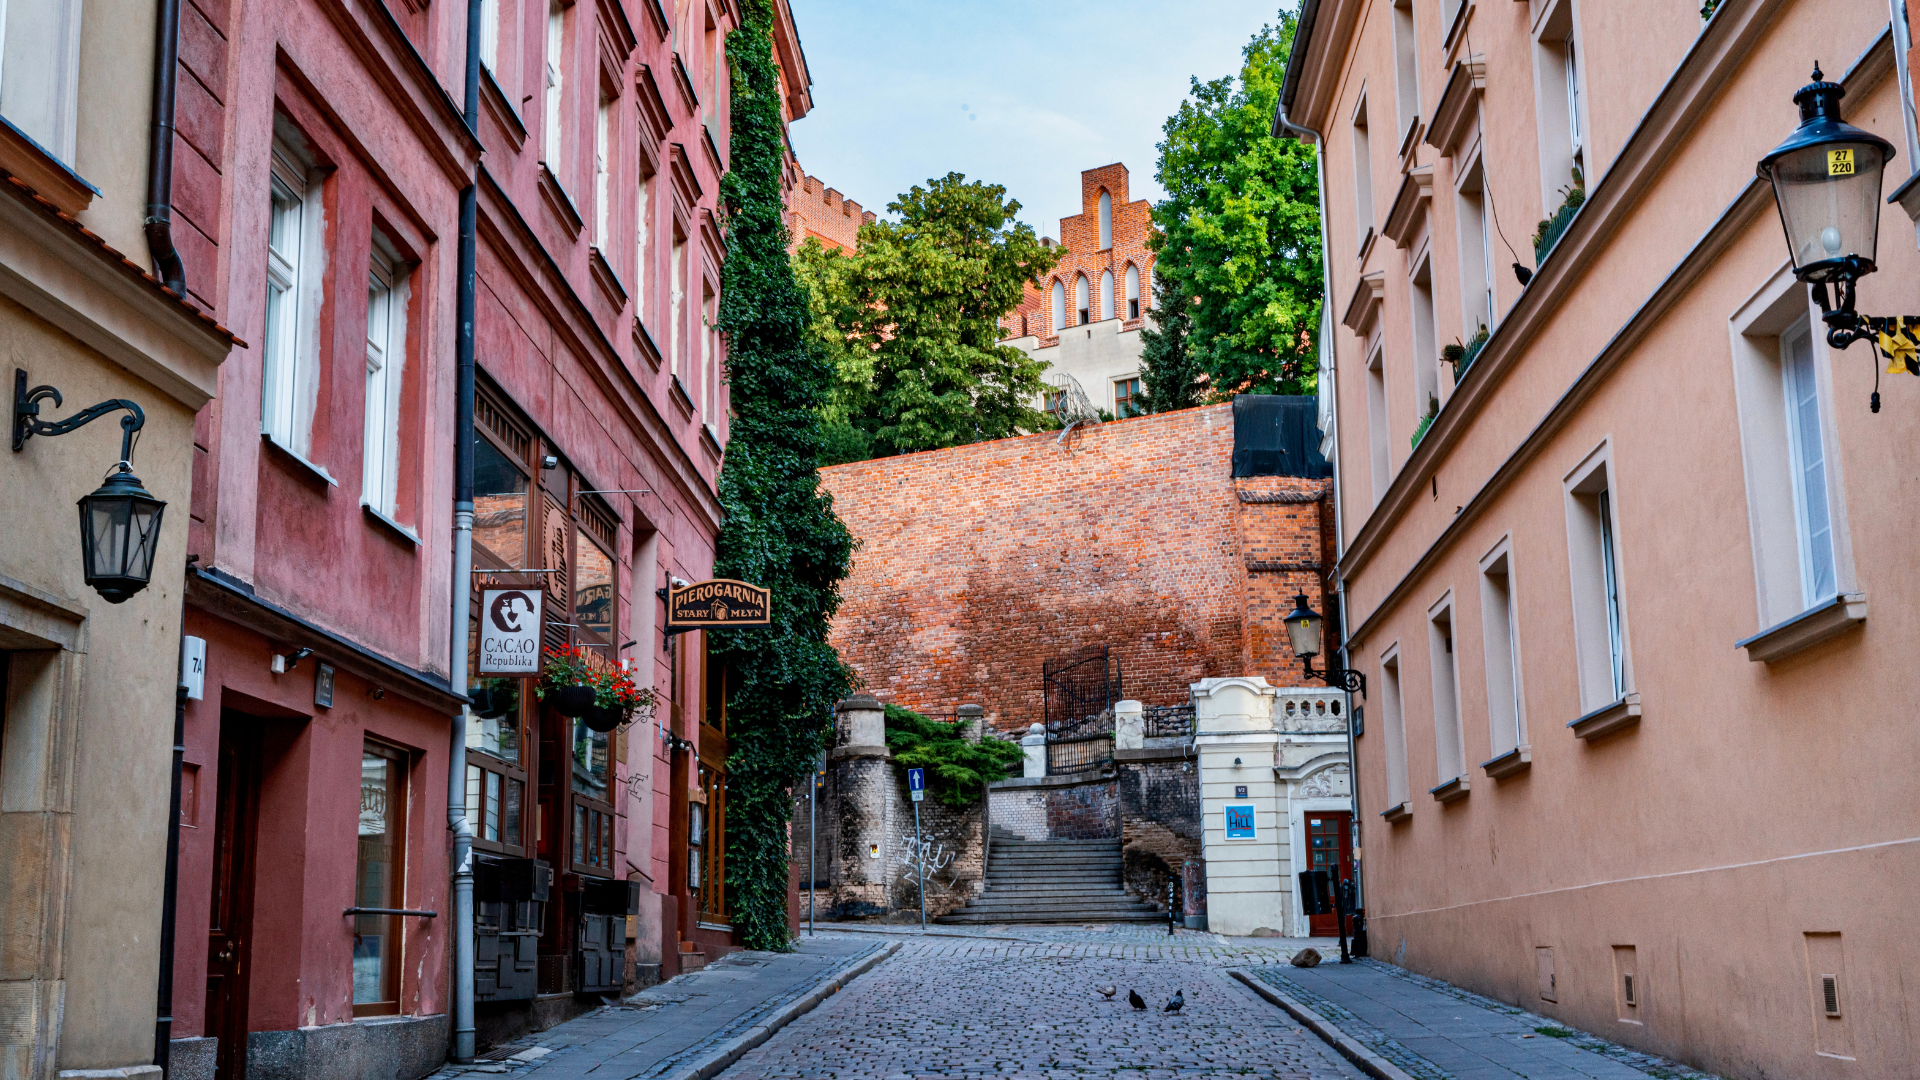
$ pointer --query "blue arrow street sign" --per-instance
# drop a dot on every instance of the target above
(917, 783)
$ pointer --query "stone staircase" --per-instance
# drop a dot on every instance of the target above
(1053, 881)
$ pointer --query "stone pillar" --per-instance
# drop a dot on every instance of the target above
(1034, 744)
(1129, 725)
(973, 722)
(1237, 742)
(860, 770)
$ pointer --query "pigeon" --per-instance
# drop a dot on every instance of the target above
(1175, 1002)
(1107, 991)
(1134, 999)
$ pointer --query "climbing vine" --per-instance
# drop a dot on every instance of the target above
(780, 530)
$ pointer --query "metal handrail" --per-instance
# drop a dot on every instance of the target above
(389, 911)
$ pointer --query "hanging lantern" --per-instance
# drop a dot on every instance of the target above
(119, 535)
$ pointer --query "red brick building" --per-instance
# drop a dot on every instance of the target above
(817, 211)
(981, 563)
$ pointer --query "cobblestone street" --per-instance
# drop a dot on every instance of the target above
(978, 1006)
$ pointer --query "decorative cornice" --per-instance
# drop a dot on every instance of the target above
(1454, 116)
(1410, 207)
(1368, 293)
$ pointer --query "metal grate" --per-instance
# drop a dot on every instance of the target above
(556, 974)
(1168, 721)
(1830, 993)
(1629, 980)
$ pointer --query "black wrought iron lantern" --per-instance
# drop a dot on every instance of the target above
(1826, 182)
(120, 520)
(119, 534)
(1304, 629)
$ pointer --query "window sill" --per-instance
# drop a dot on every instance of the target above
(1511, 763)
(606, 279)
(710, 439)
(1396, 813)
(294, 456)
(643, 344)
(559, 202)
(391, 525)
(1827, 619)
(1451, 791)
(1608, 719)
(502, 109)
(678, 392)
(48, 176)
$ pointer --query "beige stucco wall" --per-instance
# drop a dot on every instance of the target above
(1754, 804)
(1095, 354)
(114, 116)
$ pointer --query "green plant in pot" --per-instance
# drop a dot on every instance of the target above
(616, 698)
(567, 681)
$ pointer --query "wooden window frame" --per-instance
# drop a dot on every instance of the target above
(392, 967)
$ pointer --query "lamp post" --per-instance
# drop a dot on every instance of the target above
(1303, 633)
(1826, 181)
(119, 520)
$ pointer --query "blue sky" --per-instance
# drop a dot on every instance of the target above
(1021, 94)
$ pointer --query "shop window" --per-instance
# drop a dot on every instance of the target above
(379, 880)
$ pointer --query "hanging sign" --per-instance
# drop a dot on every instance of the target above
(510, 632)
(720, 602)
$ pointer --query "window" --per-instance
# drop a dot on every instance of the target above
(1053, 401)
(642, 233)
(592, 813)
(1106, 220)
(1059, 305)
(602, 169)
(489, 17)
(387, 295)
(1807, 458)
(1394, 729)
(290, 377)
(1449, 751)
(709, 377)
(593, 578)
(379, 880)
(1426, 352)
(1082, 297)
(556, 43)
(1126, 394)
(499, 486)
(1406, 68)
(1106, 294)
(676, 297)
(40, 71)
(1133, 291)
(1362, 176)
(1377, 423)
(1559, 105)
(1600, 628)
(1499, 632)
(1476, 251)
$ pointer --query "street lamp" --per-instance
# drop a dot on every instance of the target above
(120, 520)
(1826, 183)
(1303, 633)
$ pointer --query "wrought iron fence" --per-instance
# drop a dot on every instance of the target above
(1078, 702)
(1168, 721)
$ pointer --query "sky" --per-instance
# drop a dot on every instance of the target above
(1021, 94)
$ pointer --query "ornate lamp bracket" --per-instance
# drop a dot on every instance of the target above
(27, 422)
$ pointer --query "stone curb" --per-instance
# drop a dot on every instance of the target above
(1368, 1062)
(717, 1060)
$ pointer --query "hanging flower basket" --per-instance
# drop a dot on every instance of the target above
(599, 719)
(567, 681)
(603, 697)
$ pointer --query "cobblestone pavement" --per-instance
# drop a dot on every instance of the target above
(1436, 1031)
(980, 1006)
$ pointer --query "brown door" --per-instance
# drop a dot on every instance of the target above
(1330, 848)
(232, 906)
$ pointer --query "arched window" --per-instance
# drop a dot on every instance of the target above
(1133, 291)
(1106, 221)
(1106, 294)
(1059, 305)
(1082, 298)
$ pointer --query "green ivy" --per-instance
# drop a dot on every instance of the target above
(780, 530)
(958, 771)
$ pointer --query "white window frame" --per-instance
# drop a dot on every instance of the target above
(1560, 101)
(709, 380)
(296, 266)
(1602, 643)
(1769, 446)
(1406, 68)
(40, 72)
(389, 286)
(1133, 291)
(489, 16)
(1500, 636)
(1426, 348)
(1379, 425)
(1393, 728)
(1106, 220)
(555, 145)
(1106, 295)
(1449, 742)
(1364, 215)
(1059, 291)
(602, 173)
(1479, 301)
(642, 236)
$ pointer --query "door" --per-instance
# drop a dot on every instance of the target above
(231, 913)
(1329, 848)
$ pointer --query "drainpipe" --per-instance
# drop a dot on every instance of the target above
(462, 1048)
(170, 889)
(159, 216)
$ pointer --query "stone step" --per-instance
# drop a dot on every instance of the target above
(1075, 866)
(1090, 879)
(1038, 904)
(1029, 888)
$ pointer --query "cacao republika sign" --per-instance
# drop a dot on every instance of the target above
(510, 632)
(720, 602)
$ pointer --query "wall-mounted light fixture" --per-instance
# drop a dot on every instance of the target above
(120, 520)
(285, 662)
(1303, 633)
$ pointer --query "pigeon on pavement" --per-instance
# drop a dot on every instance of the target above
(1175, 1002)
(1107, 991)
(1134, 999)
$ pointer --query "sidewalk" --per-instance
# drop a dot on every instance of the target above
(689, 1025)
(1407, 1025)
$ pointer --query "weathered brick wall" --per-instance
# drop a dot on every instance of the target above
(815, 210)
(864, 802)
(978, 564)
(1160, 824)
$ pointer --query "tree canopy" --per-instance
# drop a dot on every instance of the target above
(1238, 239)
(911, 323)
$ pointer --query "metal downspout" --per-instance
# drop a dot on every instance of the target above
(158, 222)
(462, 1048)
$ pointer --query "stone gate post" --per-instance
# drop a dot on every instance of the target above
(861, 769)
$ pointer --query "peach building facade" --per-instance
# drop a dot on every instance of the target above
(1634, 757)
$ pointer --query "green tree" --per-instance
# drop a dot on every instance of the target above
(911, 322)
(1169, 378)
(823, 272)
(779, 528)
(1239, 231)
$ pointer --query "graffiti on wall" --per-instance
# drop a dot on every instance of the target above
(938, 858)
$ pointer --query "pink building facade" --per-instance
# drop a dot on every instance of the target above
(1634, 755)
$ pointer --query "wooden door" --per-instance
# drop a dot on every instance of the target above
(231, 913)
(1329, 848)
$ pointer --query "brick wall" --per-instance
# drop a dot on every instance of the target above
(978, 564)
(1080, 237)
(815, 210)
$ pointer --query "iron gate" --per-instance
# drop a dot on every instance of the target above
(1077, 705)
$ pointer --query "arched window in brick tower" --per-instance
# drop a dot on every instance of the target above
(1059, 305)
(1133, 291)
(1106, 294)
(1082, 298)
(1106, 220)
